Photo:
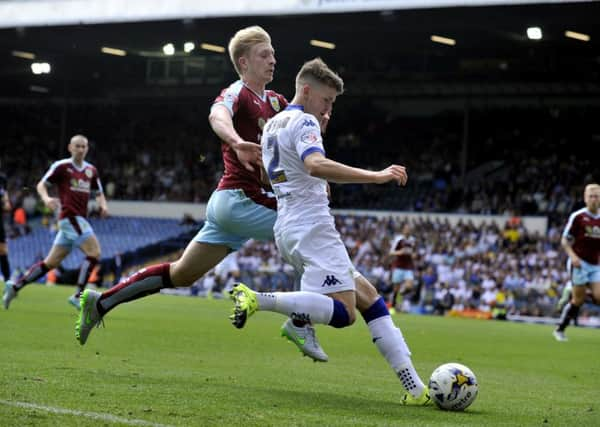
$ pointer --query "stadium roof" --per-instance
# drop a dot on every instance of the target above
(15, 13)
(371, 48)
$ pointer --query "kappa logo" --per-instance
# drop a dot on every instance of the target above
(331, 281)
(309, 123)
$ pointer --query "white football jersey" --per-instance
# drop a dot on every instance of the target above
(287, 139)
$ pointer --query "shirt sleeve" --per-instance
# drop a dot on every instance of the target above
(571, 224)
(229, 98)
(52, 174)
(308, 137)
(96, 184)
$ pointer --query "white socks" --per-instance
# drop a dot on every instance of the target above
(318, 308)
(391, 345)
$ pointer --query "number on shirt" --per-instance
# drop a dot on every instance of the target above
(277, 176)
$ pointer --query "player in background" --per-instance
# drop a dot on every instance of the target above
(402, 253)
(239, 209)
(75, 179)
(581, 242)
(305, 234)
(4, 207)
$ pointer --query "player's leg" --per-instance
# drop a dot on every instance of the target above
(565, 296)
(326, 271)
(212, 243)
(581, 276)
(407, 289)
(197, 259)
(396, 283)
(220, 234)
(389, 341)
(570, 311)
(91, 248)
(301, 306)
(34, 272)
(4, 265)
(595, 288)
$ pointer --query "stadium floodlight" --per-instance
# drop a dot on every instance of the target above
(113, 51)
(577, 36)
(188, 47)
(443, 40)
(169, 49)
(534, 33)
(23, 54)
(40, 68)
(212, 47)
(321, 43)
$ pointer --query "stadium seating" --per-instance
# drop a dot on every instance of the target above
(116, 235)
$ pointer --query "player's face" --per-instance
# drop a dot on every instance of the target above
(78, 149)
(319, 103)
(592, 198)
(260, 62)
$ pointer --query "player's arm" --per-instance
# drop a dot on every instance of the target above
(320, 166)
(568, 247)
(51, 203)
(221, 121)
(101, 199)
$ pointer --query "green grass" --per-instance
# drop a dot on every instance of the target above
(178, 361)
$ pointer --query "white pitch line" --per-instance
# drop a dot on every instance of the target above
(93, 415)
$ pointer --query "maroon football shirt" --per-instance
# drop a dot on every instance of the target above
(250, 111)
(584, 229)
(74, 185)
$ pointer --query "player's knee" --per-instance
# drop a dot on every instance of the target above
(94, 253)
(180, 275)
(342, 316)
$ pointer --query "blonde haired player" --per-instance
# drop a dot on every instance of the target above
(239, 209)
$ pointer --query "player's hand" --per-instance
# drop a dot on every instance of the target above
(249, 154)
(576, 262)
(103, 212)
(52, 203)
(392, 173)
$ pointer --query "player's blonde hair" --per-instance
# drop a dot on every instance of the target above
(242, 41)
(317, 71)
(591, 187)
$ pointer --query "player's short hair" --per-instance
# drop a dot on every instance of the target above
(316, 70)
(78, 137)
(242, 41)
(591, 187)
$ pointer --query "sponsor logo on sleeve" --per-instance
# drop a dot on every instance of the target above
(310, 138)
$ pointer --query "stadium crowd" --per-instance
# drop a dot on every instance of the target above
(515, 164)
(471, 263)
(517, 161)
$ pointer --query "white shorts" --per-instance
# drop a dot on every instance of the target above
(319, 255)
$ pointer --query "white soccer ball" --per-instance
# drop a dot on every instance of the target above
(453, 386)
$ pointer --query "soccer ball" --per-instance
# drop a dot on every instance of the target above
(453, 386)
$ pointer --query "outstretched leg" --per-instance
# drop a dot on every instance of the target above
(390, 342)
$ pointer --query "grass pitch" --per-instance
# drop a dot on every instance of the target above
(168, 360)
